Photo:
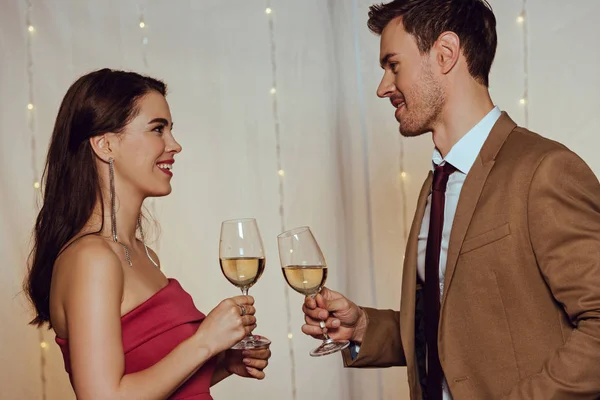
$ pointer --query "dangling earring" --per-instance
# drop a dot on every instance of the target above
(113, 217)
(113, 209)
(144, 241)
(113, 212)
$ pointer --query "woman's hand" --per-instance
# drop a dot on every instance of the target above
(249, 363)
(225, 325)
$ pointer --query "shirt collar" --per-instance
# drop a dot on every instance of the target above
(464, 153)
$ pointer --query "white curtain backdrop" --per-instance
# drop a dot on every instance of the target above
(340, 152)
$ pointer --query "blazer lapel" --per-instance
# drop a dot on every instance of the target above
(409, 283)
(470, 193)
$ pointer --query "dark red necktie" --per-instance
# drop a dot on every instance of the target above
(432, 284)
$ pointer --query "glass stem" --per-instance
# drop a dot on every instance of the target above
(321, 323)
(324, 330)
(249, 337)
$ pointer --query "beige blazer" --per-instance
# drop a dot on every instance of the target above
(520, 315)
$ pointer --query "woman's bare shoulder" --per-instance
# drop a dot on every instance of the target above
(88, 271)
(90, 262)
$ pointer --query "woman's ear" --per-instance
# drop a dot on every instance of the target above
(101, 146)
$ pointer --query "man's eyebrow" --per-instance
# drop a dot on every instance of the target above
(386, 59)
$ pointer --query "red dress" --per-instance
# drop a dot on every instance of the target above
(154, 328)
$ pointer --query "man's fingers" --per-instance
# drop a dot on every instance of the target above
(321, 302)
(314, 331)
(311, 321)
(310, 303)
(317, 313)
(341, 304)
(329, 323)
(327, 301)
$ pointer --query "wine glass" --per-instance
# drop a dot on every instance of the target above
(242, 260)
(305, 270)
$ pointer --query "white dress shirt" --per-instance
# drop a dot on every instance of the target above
(462, 156)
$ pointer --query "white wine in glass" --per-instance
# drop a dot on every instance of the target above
(243, 272)
(305, 270)
(242, 260)
(305, 279)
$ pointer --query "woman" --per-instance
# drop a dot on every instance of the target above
(125, 330)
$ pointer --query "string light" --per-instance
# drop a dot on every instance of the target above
(524, 101)
(403, 194)
(30, 107)
(144, 51)
(370, 246)
(34, 170)
(273, 90)
(43, 348)
(144, 41)
(281, 174)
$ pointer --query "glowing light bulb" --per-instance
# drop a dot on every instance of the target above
(268, 11)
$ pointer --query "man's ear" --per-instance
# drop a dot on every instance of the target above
(448, 51)
(101, 145)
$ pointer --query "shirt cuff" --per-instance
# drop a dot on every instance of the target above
(354, 349)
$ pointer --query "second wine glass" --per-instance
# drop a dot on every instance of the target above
(305, 270)
(242, 259)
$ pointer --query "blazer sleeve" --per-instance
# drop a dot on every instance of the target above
(564, 228)
(381, 346)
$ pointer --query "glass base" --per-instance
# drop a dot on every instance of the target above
(251, 342)
(329, 346)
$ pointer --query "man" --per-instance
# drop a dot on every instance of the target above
(501, 280)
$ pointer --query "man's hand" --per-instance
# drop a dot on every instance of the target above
(344, 320)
